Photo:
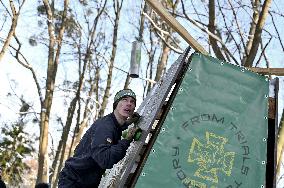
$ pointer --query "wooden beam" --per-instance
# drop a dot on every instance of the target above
(172, 22)
(268, 71)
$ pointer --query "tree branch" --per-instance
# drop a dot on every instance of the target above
(257, 35)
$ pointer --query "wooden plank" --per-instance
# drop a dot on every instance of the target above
(161, 118)
(272, 108)
(268, 71)
(172, 22)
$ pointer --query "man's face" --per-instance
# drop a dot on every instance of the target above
(126, 107)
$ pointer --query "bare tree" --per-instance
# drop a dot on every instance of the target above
(117, 5)
(229, 37)
(165, 33)
(230, 30)
(55, 44)
(257, 34)
(85, 57)
(151, 51)
(14, 15)
(54, 49)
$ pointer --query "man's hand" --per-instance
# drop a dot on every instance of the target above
(133, 119)
(131, 132)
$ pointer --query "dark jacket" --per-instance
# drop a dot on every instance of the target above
(2, 184)
(100, 148)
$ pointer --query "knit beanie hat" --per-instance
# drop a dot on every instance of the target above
(123, 93)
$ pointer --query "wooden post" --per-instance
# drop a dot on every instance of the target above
(268, 71)
(171, 21)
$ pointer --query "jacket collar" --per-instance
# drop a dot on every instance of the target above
(123, 127)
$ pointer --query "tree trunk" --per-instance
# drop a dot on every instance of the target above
(127, 81)
(151, 56)
(64, 138)
(255, 18)
(150, 64)
(79, 129)
(163, 62)
(54, 166)
(53, 60)
(257, 35)
(117, 8)
(212, 29)
(12, 28)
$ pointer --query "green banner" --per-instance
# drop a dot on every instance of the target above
(215, 134)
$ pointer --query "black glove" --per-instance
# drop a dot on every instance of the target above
(133, 119)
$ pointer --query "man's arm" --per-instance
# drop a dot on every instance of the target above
(104, 151)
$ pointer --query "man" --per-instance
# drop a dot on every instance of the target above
(2, 184)
(101, 147)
